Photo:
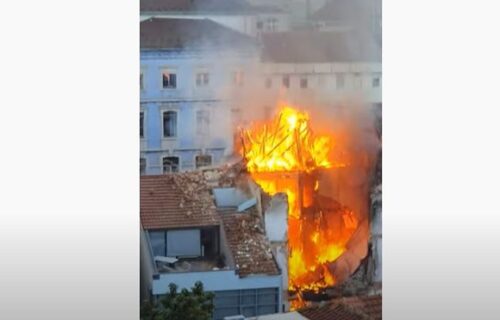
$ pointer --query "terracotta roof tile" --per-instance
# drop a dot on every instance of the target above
(176, 201)
(247, 241)
(352, 308)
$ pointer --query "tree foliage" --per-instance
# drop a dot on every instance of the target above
(184, 305)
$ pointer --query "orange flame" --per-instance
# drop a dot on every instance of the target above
(282, 155)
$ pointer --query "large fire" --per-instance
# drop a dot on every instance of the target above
(284, 155)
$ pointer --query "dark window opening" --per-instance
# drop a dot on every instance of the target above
(376, 82)
(170, 124)
(286, 81)
(141, 125)
(142, 81)
(170, 164)
(169, 80)
(303, 83)
(143, 166)
(203, 161)
(209, 239)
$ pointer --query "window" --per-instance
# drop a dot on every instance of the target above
(143, 166)
(170, 164)
(175, 243)
(169, 124)
(376, 81)
(202, 122)
(303, 83)
(142, 81)
(238, 77)
(340, 79)
(358, 81)
(202, 79)
(247, 302)
(286, 81)
(169, 79)
(203, 161)
(260, 25)
(272, 24)
(269, 83)
(183, 243)
(157, 240)
(141, 125)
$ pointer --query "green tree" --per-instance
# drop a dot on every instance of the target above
(185, 305)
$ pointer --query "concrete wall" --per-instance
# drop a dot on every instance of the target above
(147, 267)
(214, 281)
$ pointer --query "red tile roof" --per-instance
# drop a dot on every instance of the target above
(351, 308)
(247, 241)
(176, 201)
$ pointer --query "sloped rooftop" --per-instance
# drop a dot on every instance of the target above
(176, 201)
(351, 308)
(200, 6)
(163, 33)
(248, 243)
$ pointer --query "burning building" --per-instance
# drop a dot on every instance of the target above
(326, 240)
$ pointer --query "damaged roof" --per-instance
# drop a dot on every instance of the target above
(176, 201)
(351, 308)
(163, 33)
(319, 47)
(248, 243)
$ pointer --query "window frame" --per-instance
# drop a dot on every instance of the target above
(204, 81)
(170, 71)
(286, 79)
(163, 164)
(304, 80)
(203, 155)
(376, 77)
(163, 112)
(142, 80)
(142, 123)
(145, 165)
(199, 129)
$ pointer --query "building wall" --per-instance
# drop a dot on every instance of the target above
(323, 82)
(147, 267)
(186, 99)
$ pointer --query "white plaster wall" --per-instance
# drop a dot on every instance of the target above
(276, 218)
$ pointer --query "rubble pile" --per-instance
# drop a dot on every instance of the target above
(194, 189)
(248, 242)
